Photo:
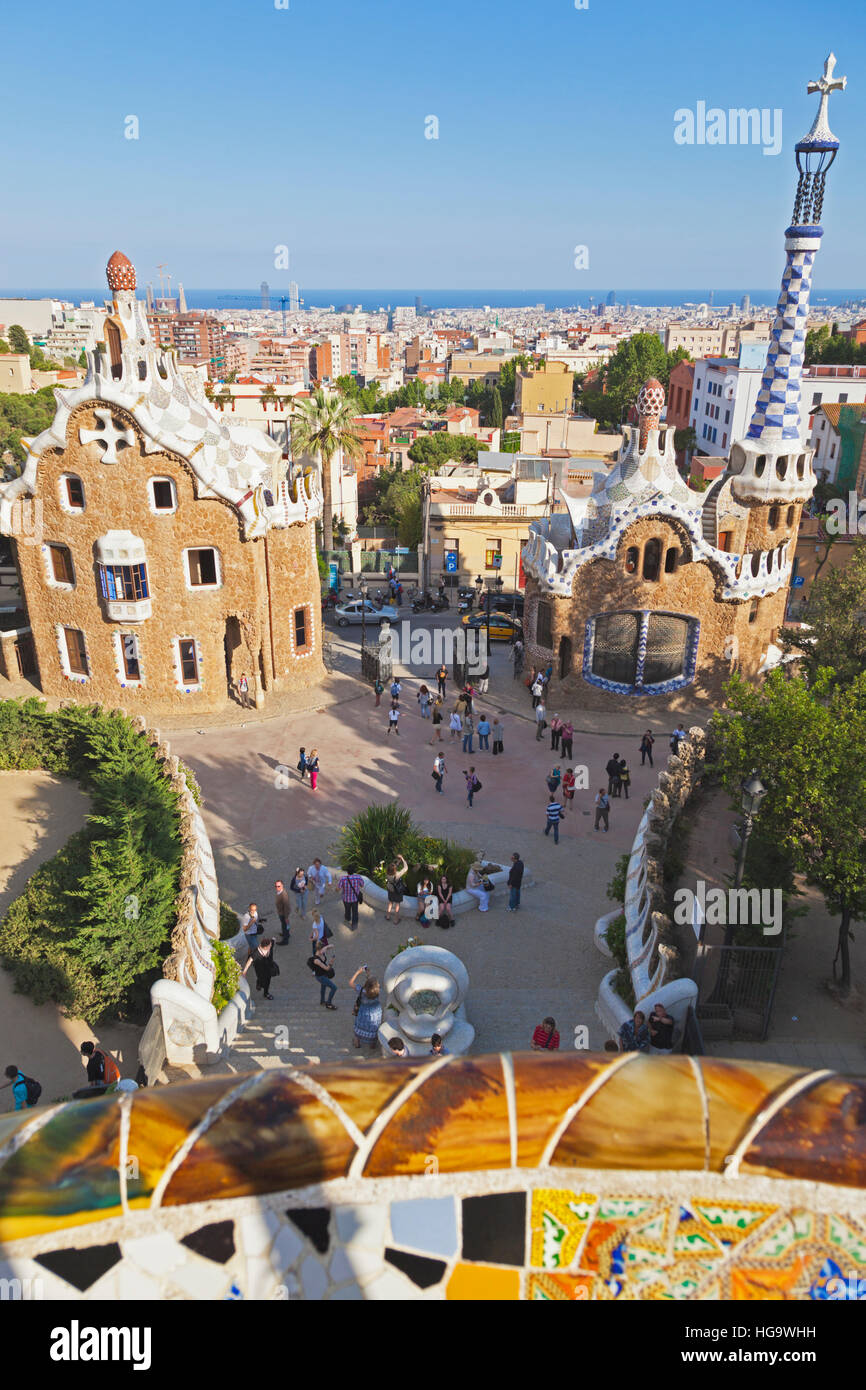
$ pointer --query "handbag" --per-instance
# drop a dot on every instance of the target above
(275, 969)
(476, 785)
(487, 884)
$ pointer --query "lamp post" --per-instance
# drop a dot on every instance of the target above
(753, 793)
(363, 587)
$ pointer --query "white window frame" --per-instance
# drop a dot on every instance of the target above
(65, 504)
(69, 674)
(51, 581)
(119, 665)
(180, 683)
(198, 588)
(151, 500)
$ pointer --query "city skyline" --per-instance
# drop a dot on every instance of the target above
(420, 153)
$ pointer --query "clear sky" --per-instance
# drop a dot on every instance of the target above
(305, 127)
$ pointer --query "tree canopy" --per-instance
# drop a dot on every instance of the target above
(322, 424)
(836, 617)
(25, 415)
(824, 345)
(808, 745)
(616, 389)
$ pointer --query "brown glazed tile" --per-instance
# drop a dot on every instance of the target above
(67, 1173)
(276, 1136)
(364, 1094)
(645, 1116)
(161, 1119)
(736, 1091)
(545, 1092)
(459, 1117)
(819, 1136)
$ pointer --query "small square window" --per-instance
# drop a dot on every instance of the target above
(188, 660)
(76, 652)
(74, 493)
(162, 491)
(203, 570)
(61, 564)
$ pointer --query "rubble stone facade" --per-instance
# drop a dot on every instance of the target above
(174, 553)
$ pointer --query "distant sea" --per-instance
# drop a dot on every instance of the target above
(371, 300)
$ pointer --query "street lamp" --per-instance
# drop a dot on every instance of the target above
(753, 793)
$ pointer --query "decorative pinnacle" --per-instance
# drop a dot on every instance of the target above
(820, 133)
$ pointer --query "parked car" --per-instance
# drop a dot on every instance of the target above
(502, 627)
(508, 603)
(353, 612)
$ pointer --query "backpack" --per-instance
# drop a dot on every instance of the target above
(476, 786)
(111, 1071)
(34, 1090)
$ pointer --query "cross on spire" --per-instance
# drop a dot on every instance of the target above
(827, 83)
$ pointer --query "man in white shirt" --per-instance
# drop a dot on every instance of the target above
(320, 877)
(251, 924)
(540, 712)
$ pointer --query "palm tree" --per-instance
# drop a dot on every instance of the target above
(322, 424)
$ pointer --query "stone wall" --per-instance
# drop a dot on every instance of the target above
(504, 1177)
(243, 625)
(603, 586)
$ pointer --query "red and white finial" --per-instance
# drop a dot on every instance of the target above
(650, 404)
(120, 272)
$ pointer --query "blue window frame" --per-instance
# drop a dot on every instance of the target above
(640, 652)
(128, 583)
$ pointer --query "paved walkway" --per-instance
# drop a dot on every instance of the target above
(40, 812)
(264, 821)
(808, 1026)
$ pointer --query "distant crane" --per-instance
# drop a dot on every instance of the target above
(283, 300)
(159, 270)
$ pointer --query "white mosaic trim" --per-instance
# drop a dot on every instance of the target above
(68, 674)
(179, 682)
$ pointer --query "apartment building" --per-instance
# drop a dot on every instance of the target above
(548, 390)
(724, 393)
(838, 436)
(198, 339)
(478, 366)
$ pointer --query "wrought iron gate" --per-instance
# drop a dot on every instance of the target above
(736, 989)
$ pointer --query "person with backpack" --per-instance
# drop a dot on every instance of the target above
(602, 808)
(677, 737)
(321, 962)
(25, 1090)
(438, 770)
(437, 721)
(612, 770)
(378, 687)
(102, 1070)
(441, 679)
(472, 785)
(624, 777)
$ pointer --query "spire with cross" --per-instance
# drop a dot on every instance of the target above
(776, 421)
(821, 136)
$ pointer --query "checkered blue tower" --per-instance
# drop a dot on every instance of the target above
(760, 462)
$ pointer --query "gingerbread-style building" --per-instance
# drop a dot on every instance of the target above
(167, 552)
(649, 591)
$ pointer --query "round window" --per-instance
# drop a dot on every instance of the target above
(487, 499)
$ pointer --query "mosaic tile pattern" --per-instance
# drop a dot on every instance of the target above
(270, 1132)
(533, 1243)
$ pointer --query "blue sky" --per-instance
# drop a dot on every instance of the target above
(305, 127)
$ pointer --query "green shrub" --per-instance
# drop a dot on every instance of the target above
(616, 887)
(191, 782)
(615, 938)
(377, 836)
(227, 974)
(93, 925)
(230, 922)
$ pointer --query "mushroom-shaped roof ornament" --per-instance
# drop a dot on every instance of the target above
(120, 272)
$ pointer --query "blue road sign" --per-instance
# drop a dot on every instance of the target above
(798, 581)
(450, 561)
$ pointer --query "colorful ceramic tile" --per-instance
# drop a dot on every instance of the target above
(559, 1288)
(732, 1221)
(426, 1223)
(485, 1283)
(559, 1222)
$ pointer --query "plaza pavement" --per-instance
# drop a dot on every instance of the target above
(263, 822)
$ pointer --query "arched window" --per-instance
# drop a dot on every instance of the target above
(632, 555)
(782, 466)
(652, 558)
(774, 518)
(801, 466)
(672, 560)
(760, 465)
(753, 610)
(756, 563)
(790, 517)
(112, 337)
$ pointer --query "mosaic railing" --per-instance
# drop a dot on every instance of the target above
(496, 1177)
